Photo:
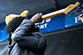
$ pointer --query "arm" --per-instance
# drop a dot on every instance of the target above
(32, 42)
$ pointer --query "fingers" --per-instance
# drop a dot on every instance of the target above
(40, 14)
(36, 18)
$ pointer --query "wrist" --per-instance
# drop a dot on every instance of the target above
(32, 20)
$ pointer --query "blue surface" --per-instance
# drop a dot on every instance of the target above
(51, 24)
(73, 19)
(3, 34)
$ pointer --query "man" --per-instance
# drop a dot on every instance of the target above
(27, 40)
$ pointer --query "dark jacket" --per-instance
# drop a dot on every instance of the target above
(28, 41)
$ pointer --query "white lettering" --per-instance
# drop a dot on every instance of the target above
(48, 20)
(43, 21)
(43, 26)
(81, 19)
(76, 19)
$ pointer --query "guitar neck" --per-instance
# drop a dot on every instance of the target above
(55, 13)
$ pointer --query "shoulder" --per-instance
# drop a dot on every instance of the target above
(26, 21)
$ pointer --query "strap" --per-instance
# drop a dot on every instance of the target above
(10, 47)
(10, 44)
(10, 41)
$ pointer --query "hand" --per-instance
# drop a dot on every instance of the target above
(36, 18)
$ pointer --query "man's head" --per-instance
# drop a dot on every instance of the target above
(13, 24)
(13, 21)
(12, 16)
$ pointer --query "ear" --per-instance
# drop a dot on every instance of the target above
(24, 13)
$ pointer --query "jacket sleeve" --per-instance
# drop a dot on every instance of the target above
(32, 42)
